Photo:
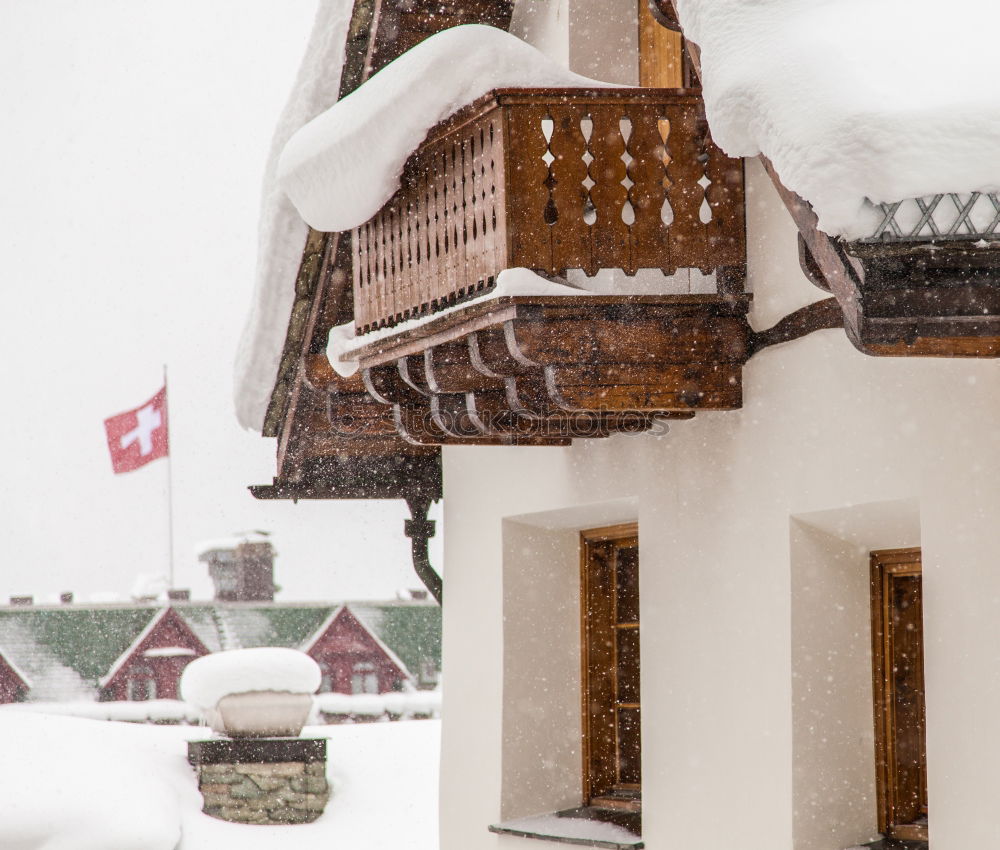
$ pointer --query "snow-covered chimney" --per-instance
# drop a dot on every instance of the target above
(241, 567)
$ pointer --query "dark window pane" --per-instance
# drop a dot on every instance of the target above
(627, 575)
(628, 665)
(629, 746)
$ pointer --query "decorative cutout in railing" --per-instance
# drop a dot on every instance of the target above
(552, 179)
(969, 217)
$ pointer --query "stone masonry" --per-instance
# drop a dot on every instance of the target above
(285, 792)
(260, 791)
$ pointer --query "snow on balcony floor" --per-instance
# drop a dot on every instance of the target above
(97, 785)
(342, 167)
(854, 99)
(342, 344)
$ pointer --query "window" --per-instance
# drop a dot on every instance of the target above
(612, 774)
(898, 689)
(141, 685)
(364, 678)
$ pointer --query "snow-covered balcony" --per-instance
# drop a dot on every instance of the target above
(552, 180)
(484, 188)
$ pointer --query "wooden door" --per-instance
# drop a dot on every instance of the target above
(898, 680)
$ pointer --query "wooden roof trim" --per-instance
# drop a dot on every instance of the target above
(310, 266)
(368, 48)
(283, 396)
(345, 610)
(133, 647)
(17, 671)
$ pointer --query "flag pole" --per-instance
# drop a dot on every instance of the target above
(170, 483)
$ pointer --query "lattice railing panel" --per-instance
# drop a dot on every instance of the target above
(551, 180)
(967, 216)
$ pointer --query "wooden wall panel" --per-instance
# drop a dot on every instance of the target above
(661, 60)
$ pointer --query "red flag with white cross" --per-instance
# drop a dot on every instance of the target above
(138, 436)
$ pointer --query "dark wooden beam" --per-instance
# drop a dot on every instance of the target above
(844, 275)
(820, 315)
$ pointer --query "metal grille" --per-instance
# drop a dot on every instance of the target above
(952, 216)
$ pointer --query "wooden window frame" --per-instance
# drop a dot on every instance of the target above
(884, 564)
(661, 52)
(598, 656)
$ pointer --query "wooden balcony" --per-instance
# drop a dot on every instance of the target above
(546, 370)
(552, 180)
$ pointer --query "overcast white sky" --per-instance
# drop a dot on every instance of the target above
(134, 135)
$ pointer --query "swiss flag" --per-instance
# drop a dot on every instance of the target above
(138, 436)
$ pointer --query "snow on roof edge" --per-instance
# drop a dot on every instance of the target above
(281, 232)
(310, 643)
(221, 544)
(131, 648)
(17, 670)
(342, 342)
(154, 621)
(341, 167)
(827, 92)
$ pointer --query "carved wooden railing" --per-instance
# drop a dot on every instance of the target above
(552, 179)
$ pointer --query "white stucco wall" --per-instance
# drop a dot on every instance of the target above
(735, 559)
(596, 38)
(833, 741)
(754, 531)
(545, 24)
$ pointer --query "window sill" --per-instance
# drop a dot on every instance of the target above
(892, 844)
(585, 826)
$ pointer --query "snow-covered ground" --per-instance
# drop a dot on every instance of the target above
(75, 784)
(391, 706)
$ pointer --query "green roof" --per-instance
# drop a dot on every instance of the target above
(88, 640)
(290, 626)
(413, 632)
(84, 642)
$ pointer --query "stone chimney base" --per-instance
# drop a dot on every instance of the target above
(262, 780)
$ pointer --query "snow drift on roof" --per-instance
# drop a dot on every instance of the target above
(854, 99)
(222, 544)
(281, 233)
(208, 679)
(345, 164)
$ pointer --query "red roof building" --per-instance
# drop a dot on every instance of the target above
(151, 667)
(354, 660)
(14, 685)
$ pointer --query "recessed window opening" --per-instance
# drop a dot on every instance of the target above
(898, 679)
(612, 774)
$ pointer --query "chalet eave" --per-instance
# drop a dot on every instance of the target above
(916, 298)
